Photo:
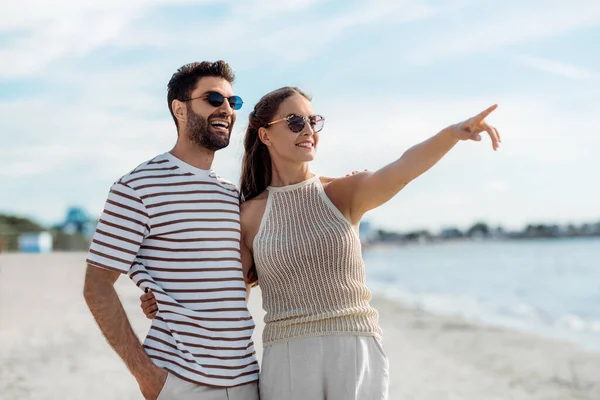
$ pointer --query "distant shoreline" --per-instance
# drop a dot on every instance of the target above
(438, 241)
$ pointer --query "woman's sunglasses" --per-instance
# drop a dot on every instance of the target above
(216, 99)
(297, 123)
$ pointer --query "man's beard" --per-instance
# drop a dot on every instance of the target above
(199, 132)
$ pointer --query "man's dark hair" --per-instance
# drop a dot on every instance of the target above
(183, 82)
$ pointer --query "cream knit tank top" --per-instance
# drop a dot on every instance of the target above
(310, 267)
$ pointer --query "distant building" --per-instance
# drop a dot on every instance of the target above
(420, 236)
(39, 242)
(451, 233)
(479, 231)
(366, 233)
(78, 220)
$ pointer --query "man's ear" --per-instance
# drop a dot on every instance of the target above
(179, 110)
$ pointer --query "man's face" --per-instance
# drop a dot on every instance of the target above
(209, 125)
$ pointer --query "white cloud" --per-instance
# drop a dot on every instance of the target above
(266, 9)
(534, 128)
(255, 31)
(45, 32)
(480, 30)
(496, 186)
(50, 31)
(558, 68)
(314, 34)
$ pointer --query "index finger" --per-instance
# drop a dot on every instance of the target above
(487, 112)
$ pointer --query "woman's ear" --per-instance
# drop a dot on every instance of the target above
(264, 136)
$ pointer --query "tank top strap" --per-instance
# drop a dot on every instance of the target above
(294, 186)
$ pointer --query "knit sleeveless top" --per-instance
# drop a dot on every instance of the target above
(310, 267)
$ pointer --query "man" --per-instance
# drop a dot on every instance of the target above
(173, 226)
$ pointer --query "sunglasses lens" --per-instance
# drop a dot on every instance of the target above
(215, 99)
(317, 123)
(235, 102)
(296, 123)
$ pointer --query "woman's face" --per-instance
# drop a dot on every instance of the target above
(292, 133)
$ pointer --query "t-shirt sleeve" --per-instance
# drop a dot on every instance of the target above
(120, 230)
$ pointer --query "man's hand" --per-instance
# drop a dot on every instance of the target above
(355, 172)
(152, 384)
(148, 305)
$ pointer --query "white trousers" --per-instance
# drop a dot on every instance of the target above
(326, 367)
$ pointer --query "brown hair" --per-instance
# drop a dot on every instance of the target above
(256, 163)
(183, 82)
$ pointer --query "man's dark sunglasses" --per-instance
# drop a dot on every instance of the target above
(297, 123)
(216, 99)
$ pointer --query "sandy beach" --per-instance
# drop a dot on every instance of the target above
(51, 348)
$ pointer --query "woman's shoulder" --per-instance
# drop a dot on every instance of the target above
(342, 181)
(249, 206)
(326, 179)
(251, 213)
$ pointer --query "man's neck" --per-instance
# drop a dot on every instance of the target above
(194, 155)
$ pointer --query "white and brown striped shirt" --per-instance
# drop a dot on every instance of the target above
(175, 229)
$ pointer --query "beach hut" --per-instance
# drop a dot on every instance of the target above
(38, 242)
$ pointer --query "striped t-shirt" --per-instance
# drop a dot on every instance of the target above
(175, 229)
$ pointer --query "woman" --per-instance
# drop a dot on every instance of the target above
(300, 241)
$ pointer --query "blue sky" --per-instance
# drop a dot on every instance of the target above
(83, 96)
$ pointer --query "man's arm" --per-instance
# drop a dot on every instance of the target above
(103, 301)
